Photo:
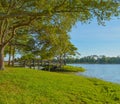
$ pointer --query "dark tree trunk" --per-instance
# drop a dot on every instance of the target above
(38, 64)
(10, 52)
(30, 64)
(64, 59)
(49, 65)
(1, 58)
(24, 63)
(41, 63)
(60, 61)
(13, 56)
(33, 63)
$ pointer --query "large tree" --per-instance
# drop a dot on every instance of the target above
(18, 14)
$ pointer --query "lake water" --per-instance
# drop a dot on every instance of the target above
(108, 72)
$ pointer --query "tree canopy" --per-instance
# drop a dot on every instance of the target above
(36, 15)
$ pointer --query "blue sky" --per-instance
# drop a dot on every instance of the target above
(93, 39)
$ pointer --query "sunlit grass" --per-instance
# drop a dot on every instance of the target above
(28, 86)
(73, 68)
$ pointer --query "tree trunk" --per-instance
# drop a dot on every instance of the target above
(13, 56)
(30, 64)
(33, 63)
(60, 61)
(41, 62)
(64, 60)
(38, 64)
(48, 65)
(10, 52)
(1, 58)
(24, 64)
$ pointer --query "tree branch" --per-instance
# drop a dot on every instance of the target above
(4, 30)
(23, 14)
(16, 27)
(24, 23)
(12, 35)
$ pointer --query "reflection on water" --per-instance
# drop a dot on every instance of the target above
(108, 72)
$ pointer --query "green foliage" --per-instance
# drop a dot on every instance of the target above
(26, 86)
(56, 44)
(30, 14)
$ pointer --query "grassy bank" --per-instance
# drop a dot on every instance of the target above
(68, 68)
(65, 68)
(27, 86)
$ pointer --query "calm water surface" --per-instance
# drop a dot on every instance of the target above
(108, 72)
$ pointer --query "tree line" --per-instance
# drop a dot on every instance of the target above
(94, 59)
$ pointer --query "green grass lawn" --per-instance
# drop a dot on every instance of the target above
(28, 86)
